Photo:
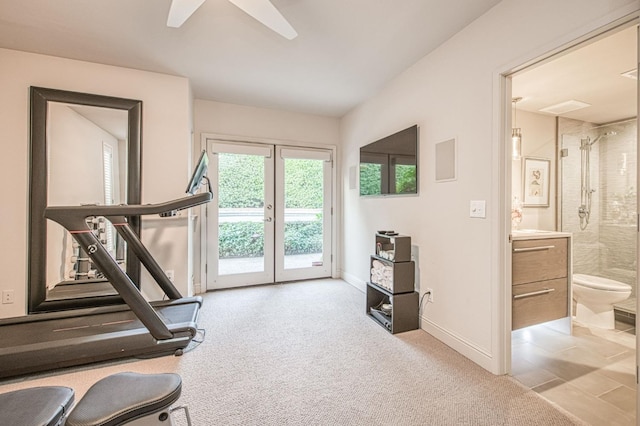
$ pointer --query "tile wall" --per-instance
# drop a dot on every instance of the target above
(607, 246)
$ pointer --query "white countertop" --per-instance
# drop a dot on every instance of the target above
(537, 234)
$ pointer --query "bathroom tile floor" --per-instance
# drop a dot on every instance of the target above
(590, 373)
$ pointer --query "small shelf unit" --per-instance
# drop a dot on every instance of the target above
(391, 284)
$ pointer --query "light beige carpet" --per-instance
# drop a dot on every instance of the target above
(306, 354)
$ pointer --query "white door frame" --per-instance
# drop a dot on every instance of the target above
(334, 196)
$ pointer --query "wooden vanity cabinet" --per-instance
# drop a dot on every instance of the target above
(540, 281)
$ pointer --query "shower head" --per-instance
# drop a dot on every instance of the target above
(587, 142)
(603, 135)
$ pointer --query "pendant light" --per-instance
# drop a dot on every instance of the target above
(516, 134)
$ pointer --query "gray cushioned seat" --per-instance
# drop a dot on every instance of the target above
(125, 397)
(41, 406)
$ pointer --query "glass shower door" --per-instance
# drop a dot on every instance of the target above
(599, 205)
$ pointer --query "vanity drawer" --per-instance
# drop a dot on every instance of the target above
(538, 302)
(539, 260)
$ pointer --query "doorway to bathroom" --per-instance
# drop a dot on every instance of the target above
(574, 172)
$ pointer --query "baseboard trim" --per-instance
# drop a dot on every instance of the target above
(475, 353)
(354, 281)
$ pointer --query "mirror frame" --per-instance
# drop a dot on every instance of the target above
(38, 192)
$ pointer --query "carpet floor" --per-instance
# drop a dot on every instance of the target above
(306, 354)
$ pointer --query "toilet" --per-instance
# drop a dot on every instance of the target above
(595, 297)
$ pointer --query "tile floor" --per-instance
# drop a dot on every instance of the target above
(590, 373)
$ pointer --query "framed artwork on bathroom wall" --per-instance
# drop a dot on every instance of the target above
(535, 178)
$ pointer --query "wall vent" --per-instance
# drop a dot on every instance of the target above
(564, 107)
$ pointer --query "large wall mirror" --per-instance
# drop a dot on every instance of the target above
(85, 149)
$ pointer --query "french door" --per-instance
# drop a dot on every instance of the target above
(270, 219)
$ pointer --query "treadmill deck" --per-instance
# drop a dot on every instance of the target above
(27, 347)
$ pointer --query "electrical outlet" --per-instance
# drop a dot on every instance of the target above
(170, 274)
(429, 295)
(7, 296)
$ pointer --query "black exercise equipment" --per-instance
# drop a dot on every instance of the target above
(50, 340)
(122, 398)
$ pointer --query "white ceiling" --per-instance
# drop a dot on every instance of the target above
(590, 74)
(345, 52)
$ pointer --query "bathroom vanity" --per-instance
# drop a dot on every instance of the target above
(540, 277)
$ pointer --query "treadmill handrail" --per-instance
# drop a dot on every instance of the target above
(53, 212)
(73, 218)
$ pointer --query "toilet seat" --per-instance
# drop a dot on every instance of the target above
(600, 283)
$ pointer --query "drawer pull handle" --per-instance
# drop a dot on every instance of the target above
(520, 250)
(534, 293)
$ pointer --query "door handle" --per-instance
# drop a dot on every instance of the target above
(268, 219)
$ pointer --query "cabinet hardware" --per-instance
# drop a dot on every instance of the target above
(534, 293)
(520, 250)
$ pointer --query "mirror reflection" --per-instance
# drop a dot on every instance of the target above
(87, 164)
(389, 166)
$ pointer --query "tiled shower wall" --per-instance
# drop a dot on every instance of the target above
(607, 247)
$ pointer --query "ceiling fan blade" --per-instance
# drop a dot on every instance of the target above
(181, 10)
(267, 14)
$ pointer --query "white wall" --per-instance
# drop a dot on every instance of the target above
(166, 136)
(239, 120)
(538, 141)
(455, 92)
(261, 124)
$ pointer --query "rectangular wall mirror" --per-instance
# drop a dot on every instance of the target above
(85, 149)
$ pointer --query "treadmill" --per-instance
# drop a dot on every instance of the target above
(52, 340)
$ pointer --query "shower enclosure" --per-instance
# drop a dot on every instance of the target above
(598, 200)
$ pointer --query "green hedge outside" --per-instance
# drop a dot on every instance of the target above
(241, 182)
(245, 239)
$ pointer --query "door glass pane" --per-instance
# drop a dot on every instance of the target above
(303, 202)
(241, 194)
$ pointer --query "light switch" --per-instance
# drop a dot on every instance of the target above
(477, 208)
